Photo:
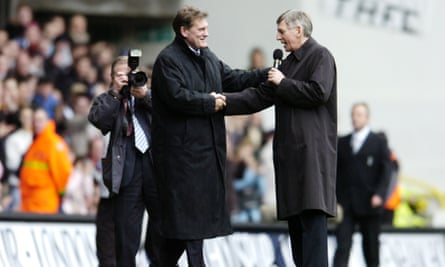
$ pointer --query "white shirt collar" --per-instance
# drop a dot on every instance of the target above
(197, 51)
(362, 133)
(359, 137)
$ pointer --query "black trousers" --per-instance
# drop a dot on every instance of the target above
(369, 227)
(309, 238)
(105, 249)
(128, 213)
(173, 249)
(119, 219)
(154, 243)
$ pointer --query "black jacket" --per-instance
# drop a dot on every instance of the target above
(361, 175)
(107, 114)
(189, 139)
(305, 139)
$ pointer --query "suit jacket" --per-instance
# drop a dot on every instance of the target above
(107, 114)
(361, 175)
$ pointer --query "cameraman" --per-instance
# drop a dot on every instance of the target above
(127, 169)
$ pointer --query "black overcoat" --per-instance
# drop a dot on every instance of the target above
(189, 139)
(305, 140)
(363, 174)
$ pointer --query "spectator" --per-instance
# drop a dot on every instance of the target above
(79, 193)
(11, 50)
(23, 66)
(268, 207)
(7, 126)
(30, 42)
(16, 145)
(257, 59)
(79, 131)
(102, 54)
(78, 29)
(27, 90)
(4, 66)
(46, 168)
(250, 186)
(10, 95)
(54, 28)
(4, 37)
(46, 97)
(24, 16)
(239, 128)
(85, 72)
(59, 67)
(363, 170)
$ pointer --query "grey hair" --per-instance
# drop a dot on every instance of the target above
(294, 17)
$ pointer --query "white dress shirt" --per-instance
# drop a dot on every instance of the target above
(358, 138)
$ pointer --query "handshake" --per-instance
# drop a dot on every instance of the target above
(220, 101)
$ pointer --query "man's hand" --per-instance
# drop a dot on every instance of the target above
(220, 101)
(376, 201)
(120, 80)
(275, 76)
(139, 92)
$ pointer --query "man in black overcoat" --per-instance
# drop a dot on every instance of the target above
(363, 175)
(189, 137)
(304, 92)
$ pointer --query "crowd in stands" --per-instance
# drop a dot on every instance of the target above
(54, 65)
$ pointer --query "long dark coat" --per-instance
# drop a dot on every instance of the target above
(305, 140)
(189, 139)
(362, 175)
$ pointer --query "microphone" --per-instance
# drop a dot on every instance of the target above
(277, 57)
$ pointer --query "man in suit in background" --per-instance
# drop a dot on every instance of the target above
(363, 169)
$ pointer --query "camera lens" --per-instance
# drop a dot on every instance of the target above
(139, 78)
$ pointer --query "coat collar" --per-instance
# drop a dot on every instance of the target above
(302, 51)
(180, 41)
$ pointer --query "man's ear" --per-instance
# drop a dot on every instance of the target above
(184, 32)
(299, 30)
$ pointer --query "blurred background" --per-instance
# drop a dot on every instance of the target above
(56, 54)
(388, 54)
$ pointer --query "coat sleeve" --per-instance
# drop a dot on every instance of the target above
(384, 169)
(314, 91)
(173, 91)
(147, 103)
(249, 100)
(104, 111)
(234, 80)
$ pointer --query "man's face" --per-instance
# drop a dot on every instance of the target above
(360, 117)
(291, 38)
(119, 76)
(196, 36)
(40, 121)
